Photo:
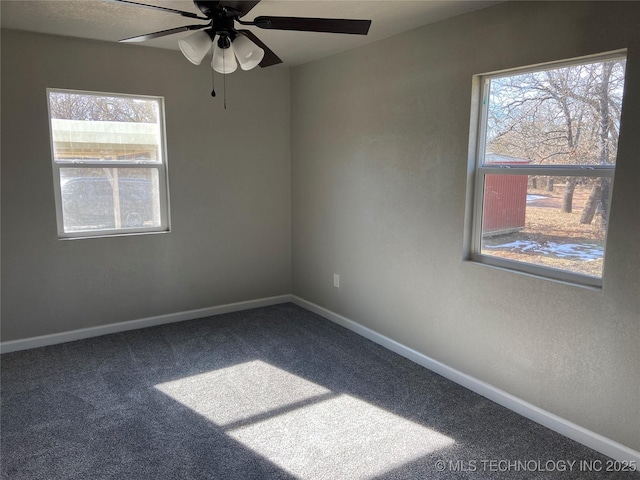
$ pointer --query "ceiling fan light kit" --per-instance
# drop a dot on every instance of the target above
(223, 61)
(196, 46)
(249, 54)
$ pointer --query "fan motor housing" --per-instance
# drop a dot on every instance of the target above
(211, 8)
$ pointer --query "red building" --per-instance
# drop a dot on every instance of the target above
(505, 198)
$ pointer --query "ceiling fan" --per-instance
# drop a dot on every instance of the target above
(230, 43)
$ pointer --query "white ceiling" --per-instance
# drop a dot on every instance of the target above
(110, 21)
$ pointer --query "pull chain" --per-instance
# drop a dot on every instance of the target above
(213, 87)
(224, 84)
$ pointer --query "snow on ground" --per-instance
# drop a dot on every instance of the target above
(585, 251)
(532, 198)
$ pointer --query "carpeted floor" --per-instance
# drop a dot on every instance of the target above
(276, 392)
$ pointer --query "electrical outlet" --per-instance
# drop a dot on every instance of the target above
(336, 280)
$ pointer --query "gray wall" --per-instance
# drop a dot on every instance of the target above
(380, 143)
(229, 176)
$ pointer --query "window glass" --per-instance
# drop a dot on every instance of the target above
(546, 158)
(106, 198)
(524, 222)
(108, 161)
(569, 115)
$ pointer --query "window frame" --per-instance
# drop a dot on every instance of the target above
(160, 166)
(478, 170)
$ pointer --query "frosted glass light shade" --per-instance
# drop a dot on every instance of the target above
(195, 46)
(224, 61)
(248, 53)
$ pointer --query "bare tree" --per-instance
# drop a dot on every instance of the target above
(73, 106)
(601, 189)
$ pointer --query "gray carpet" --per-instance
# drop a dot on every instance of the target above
(275, 392)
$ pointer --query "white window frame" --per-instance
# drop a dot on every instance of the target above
(160, 166)
(479, 170)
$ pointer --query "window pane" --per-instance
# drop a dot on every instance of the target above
(557, 222)
(98, 128)
(562, 116)
(108, 198)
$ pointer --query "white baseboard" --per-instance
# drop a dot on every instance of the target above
(569, 429)
(55, 338)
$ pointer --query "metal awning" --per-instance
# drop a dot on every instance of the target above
(79, 139)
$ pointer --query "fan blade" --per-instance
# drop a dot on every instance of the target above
(270, 58)
(241, 6)
(164, 9)
(329, 25)
(163, 33)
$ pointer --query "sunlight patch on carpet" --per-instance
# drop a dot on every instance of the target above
(342, 437)
(241, 391)
(301, 426)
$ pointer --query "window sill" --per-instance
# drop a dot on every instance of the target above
(85, 235)
(543, 273)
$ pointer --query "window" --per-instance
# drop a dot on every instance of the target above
(109, 163)
(545, 158)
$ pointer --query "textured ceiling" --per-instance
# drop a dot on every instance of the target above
(110, 21)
